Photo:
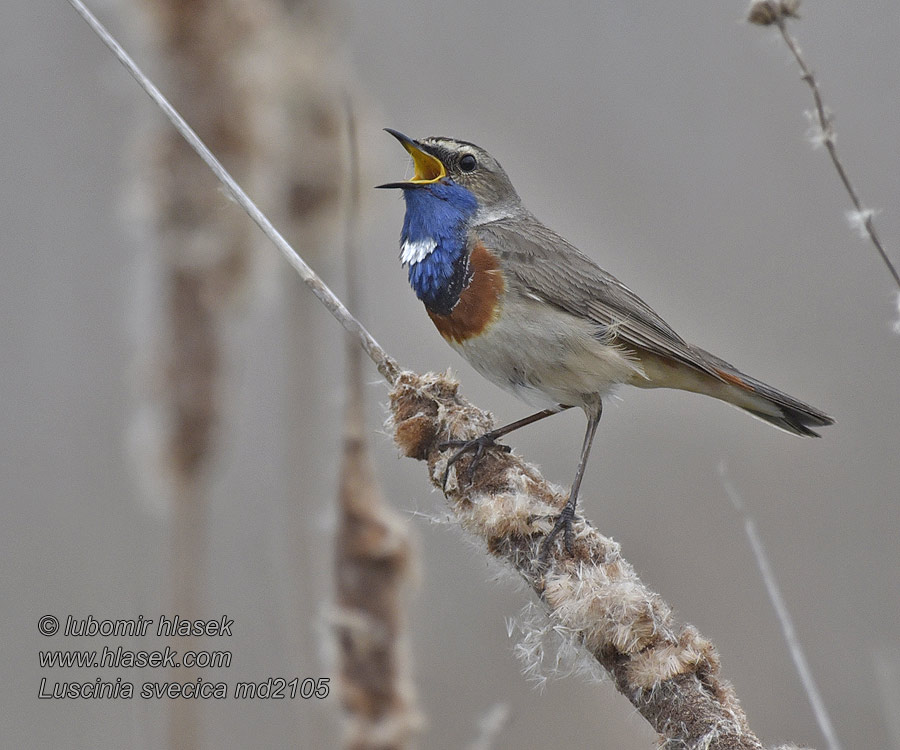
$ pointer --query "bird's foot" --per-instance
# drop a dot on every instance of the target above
(563, 524)
(479, 445)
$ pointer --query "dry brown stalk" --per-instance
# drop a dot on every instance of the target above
(372, 561)
(203, 256)
(668, 671)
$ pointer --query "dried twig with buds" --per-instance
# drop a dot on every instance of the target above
(768, 13)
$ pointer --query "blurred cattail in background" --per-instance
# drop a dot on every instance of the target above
(262, 82)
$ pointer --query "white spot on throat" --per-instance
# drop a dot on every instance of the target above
(415, 251)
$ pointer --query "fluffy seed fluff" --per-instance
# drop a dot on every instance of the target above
(547, 649)
(858, 221)
(817, 134)
(592, 613)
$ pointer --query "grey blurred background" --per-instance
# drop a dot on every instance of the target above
(664, 139)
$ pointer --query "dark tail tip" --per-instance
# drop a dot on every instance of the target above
(798, 421)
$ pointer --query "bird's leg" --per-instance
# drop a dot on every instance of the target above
(488, 440)
(567, 514)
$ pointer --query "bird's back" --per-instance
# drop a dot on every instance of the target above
(580, 327)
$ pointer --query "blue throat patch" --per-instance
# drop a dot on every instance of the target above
(440, 213)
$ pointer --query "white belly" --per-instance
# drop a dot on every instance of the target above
(547, 357)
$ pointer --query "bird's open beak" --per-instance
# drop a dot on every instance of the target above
(428, 168)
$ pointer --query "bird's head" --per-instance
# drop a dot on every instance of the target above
(442, 163)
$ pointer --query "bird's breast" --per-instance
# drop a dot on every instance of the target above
(479, 302)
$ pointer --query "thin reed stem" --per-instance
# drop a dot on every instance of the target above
(386, 365)
(782, 613)
(768, 12)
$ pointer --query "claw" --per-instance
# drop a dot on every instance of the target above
(480, 445)
(564, 524)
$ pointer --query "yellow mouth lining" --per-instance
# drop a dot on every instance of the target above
(428, 168)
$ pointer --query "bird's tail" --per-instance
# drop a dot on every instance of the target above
(763, 401)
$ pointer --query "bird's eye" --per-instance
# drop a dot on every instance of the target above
(468, 163)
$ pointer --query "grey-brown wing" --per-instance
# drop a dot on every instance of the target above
(545, 265)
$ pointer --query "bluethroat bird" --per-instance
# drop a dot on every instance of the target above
(537, 317)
